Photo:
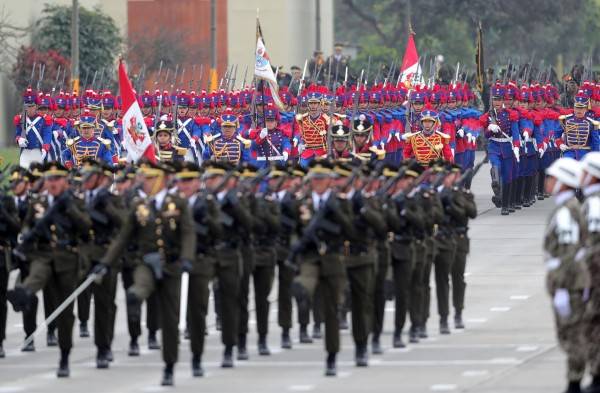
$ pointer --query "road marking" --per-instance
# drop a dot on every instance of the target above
(476, 320)
(443, 387)
(504, 361)
(467, 274)
(11, 389)
(475, 373)
(519, 297)
(153, 389)
(301, 388)
(18, 325)
(527, 348)
(500, 309)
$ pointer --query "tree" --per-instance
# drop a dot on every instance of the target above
(9, 35)
(51, 62)
(99, 39)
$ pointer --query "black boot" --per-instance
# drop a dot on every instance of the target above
(444, 329)
(263, 348)
(109, 355)
(397, 341)
(51, 339)
(197, 370)
(167, 379)
(413, 335)
(376, 346)
(2, 354)
(361, 357)
(506, 188)
(343, 321)
(134, 348)
(30, 347)
(227, 357)
(242, 351)
(83, 330)
(304, 337)
(330, 368)
(496, 186)
(573, 387)
(286, 341)
(541, 179)
(20, 298)
(152, 341)
(317, 331)
(63, 365)
(423, 331)
(101, 359)
(458, 321)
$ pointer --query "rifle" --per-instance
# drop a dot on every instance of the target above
(200, 78)
(231, 85)
(346, 77)
(368, 70)
(470, 173)
(192, 79)
(245, 75)
(329, 73)
(62, 81)
(85, 80)
(182, 78)
(55, 81)
(101, 80)
(40, 76)
(335, 82)
(301, 86)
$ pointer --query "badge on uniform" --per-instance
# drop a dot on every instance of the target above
(142, 213)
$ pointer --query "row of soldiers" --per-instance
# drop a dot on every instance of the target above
(332, 229)
(572, 261)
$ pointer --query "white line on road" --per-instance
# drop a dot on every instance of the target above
(301, 388)
(500, 309)
(519, 297)
(443, 387)
(527, 348)
(475, 373)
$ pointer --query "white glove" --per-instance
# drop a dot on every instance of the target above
(516, 153)
(301, 148)
(470, 138)
(285, 156)
(541, 151)
(403, 137)
(44, 155)
(526, 136)
(263, 133)
(495, 128)
(564, 147)
(460, 133)
(295, 142)
(561, 303)
(22, 142)
(57, 134)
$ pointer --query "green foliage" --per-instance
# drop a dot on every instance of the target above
(99, 39)
(514, 28)
(51, 61)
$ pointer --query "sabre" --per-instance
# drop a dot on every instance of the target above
(302, 78)
(182, 77)
(231, 86)
(56, 81)
(40, 76)
(94, 79)
(88, 281)
(192, 80)
(158, 75)
(456, 74)
(245, 76)
(346, 76)
(200, 78)
(368, 70)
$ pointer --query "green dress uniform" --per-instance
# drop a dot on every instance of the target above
(568, 279)
(55, 229)
(162, 227)
(457, 274)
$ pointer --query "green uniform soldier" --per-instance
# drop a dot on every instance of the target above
(209, 234)
(106, 210)
(591, 217)
(221, 179)
(161, 225)
(361, 252)
(567, 277)
(55, 227)
(327, 222)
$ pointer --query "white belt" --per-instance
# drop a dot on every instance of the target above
(501, 139)
(271, 158)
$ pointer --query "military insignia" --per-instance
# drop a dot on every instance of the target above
(39, 210)
(172, 210)
(142, 213)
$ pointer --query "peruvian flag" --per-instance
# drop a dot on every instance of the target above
(410, 62)
(136, 139)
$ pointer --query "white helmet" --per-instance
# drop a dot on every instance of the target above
(567, 171)
(591, 163)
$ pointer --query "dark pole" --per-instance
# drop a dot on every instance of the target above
(318, 24)
(213, 42)
(75, 46)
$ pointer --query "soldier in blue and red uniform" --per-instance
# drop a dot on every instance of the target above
(310, 130)
(33, 130)
(108, 122)
(225, 145)
(579, 131)
(501, 129)
(87, 145)
(187, 133)
(271, 145)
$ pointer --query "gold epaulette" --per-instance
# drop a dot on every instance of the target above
(182, 151)
(104, 141)
(327, 117)
(380, 153)
(407, 136)
(72, 141)
(596, 123)
(301, 116)
(340, 115)
(446, 136)
(247, 142)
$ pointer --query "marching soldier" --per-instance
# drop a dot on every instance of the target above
(227, 145)
(311, 130)
(106, 212)
(55, 259)
(327, 221)
(579, 134)
(428, 143)
(567, 278)
(272, 144)
(161, 225)
(33, 132)
(86, 145)
(166, 150)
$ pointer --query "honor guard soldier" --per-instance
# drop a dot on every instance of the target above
(579, 134)
(340, 140)
(106, 211)
(327, 221)
(165, 149)
(428, 143)
(591, 216)
(567, 277)
(363, 151)
(86, 145)
(187, 129)
(272, 144)
(33, 131)
(227, 145)
(162, 227)
(311, 130)
(52, 246)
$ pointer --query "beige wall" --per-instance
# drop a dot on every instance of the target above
(288, 27)
(23, 13)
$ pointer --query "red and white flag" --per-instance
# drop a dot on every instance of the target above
(410, 62)
(136, 139)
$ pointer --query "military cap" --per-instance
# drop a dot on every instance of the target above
(271, 112)
(278, 170)
(149, 168)
(216, 168)
(581, 100)
(54, 169)
(361, 125)
(320, 169)
(413, 169)
(247, 170)
(389, 170)
(342, 169)
(228, 118)
(19, 174)
(188, 170)
(124, 172)
(340, 131)
(36, 170)
(29, 98)
(165, 126)
(429, 114)
(297, 170)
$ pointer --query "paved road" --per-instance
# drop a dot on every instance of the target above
(508, 345)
